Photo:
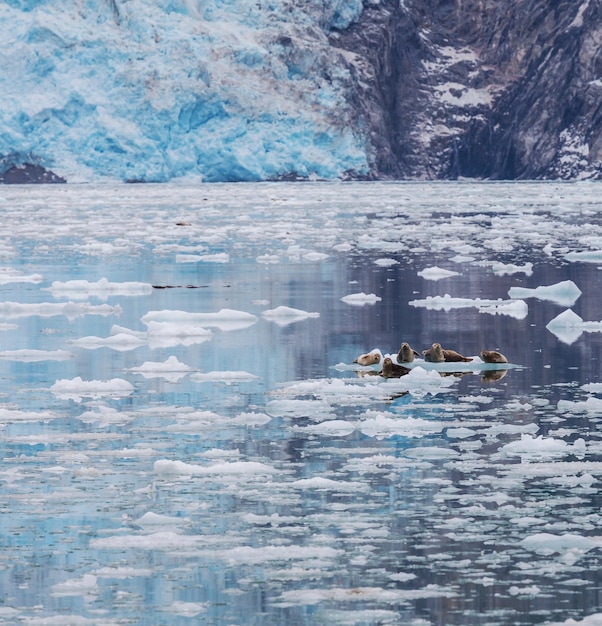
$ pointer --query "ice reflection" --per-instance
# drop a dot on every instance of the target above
(213, 455)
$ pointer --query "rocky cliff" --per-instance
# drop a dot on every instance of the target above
(481, 88)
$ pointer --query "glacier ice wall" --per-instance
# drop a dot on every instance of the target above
(151, 91)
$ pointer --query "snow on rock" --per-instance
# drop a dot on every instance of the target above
(565, 293)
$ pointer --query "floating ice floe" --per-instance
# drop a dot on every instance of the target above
(284, 315)
(8, 275)
(501, 269)
(121, 342)
(86, 585)
(565, 293)
(171, 369)
(382, 425)
(514, 308)
(568, 326)
(70, 310)
(571, 547)
(436, 273)
(361, 299)
(101, 289)
(248, 469)
(77, 388)
(11, 416)
(224, 319)
(228, 377)
(543, 447)
(386, 262)
(218, 257)
(35, 355)
(590, 405)
(587, 256)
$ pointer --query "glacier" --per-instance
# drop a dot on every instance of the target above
(178, 89)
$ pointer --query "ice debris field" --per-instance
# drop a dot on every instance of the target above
(186, 439)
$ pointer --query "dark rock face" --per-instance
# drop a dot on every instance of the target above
(28, 173)
(480, 88)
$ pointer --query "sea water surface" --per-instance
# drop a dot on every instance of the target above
(185, 438)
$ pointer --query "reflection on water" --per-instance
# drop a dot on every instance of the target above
(178, 455)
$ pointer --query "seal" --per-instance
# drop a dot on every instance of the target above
(406, 353)
(493, 356)
(452, 355)
(370, 358)
(392, 370)
(434, 354)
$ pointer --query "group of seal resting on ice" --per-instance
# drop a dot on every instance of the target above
(435, 354)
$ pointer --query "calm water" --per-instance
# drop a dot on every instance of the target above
(266, 481)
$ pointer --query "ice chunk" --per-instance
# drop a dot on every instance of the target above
(436, 273)
(228, 377)
(101, 289)
(284, 315)
(85, 585)
(568, 326)
(8, 275)
(171, 369)
(224, 319)
(565, 293)
(513, 308)
(71, 310)
(587, 256)
(121, 342)
(165, 467)
(35, 355)
(77, 388)
(361, 299)
(543, 447)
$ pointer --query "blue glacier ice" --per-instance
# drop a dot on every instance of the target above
(178, 89)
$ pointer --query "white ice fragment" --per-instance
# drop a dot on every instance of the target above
(166, 467)
(187, 609)
(587, 256)
(171, 369)
(155, 519)
(565, 293)
(35, 355)
(568, 326)
(547, 543)
(386, 262)
(543, 447)
(121, 342)
(513, 308)
(77, 388)
(218, 257)
(71, 310)
(436, 273)
(360, 299)
(284, 315)
(333, 428)
(169, 334)
(501, 269)
(224, 319)
(85, 585)
(327, 484)
(226, 376)
(591, 405)
(8, 275)
(101, 289)
(315, 256)
(267, 258)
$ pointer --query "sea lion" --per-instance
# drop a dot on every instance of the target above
(406, 353)
(392, 370)
(493, 356)
(434, 354)
(370, 358)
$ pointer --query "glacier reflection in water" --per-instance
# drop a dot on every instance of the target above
(186, 440)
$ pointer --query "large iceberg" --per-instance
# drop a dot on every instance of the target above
(203, 89)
